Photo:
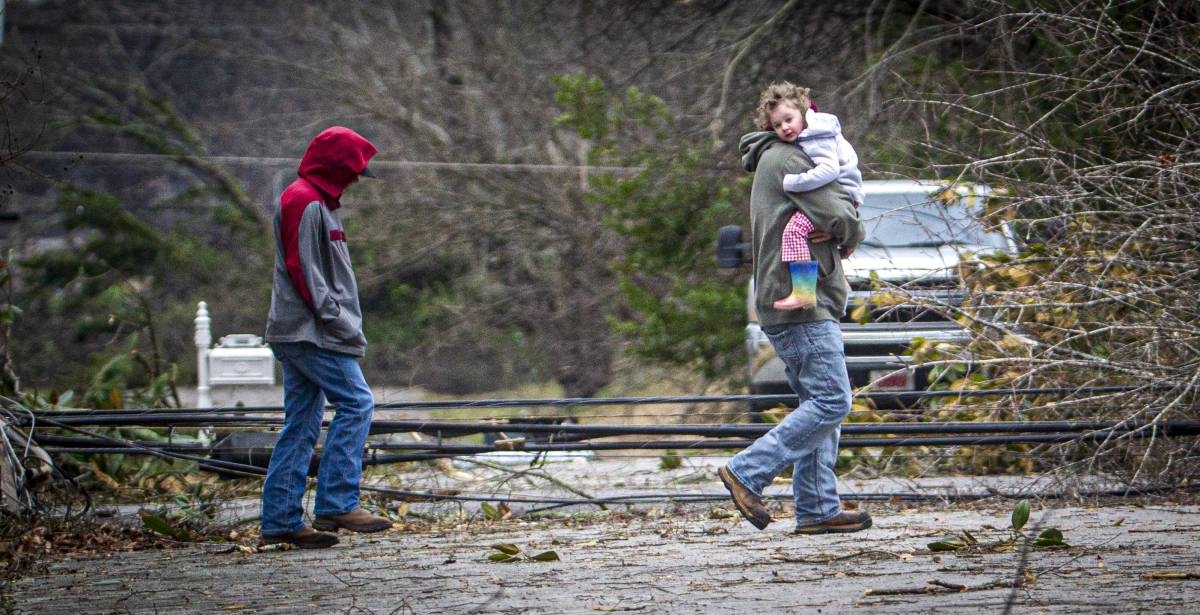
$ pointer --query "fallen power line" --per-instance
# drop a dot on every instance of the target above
(454, 450)
(572, 437)
(761, 400)
(245, 453)
(546, 435)
(575, 431)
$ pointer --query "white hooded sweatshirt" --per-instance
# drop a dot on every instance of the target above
(833, 157)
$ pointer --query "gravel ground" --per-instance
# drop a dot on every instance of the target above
(1124, 556)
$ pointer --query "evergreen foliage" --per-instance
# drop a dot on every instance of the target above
(677, 310)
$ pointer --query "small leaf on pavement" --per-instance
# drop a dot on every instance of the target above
(1020, 515)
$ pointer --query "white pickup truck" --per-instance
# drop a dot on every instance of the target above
(918, 231)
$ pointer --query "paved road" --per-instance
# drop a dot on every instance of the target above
(669, 559)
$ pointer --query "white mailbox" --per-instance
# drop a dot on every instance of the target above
(241, 359)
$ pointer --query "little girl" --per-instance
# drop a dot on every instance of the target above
(820, 136)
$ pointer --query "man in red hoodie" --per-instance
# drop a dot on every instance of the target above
(315, 330)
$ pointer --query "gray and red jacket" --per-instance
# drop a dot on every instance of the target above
(314, 295)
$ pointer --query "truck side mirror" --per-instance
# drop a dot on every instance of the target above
(732, 252)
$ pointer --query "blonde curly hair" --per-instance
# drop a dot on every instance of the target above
(777, 94)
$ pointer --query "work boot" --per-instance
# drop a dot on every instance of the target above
(357, 520)
(748, 503)
(306, 538)
(804, 286)
(841, 523)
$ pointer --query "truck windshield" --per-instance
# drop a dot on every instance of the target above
(917, 220)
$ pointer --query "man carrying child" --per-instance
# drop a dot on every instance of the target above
(808, 340)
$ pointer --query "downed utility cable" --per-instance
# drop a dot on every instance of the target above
(446, 428)
(471, 449)
(605, 401)
(125, 446)
(423, 451)
(249, 470)
(567, 437)
(574, 431)
(1007, 434)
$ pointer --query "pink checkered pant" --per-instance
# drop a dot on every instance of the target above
(795, 238)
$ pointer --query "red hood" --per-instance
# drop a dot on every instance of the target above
(334, 158)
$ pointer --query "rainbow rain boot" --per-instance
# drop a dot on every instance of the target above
(804, 286)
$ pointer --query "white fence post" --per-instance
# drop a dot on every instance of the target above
(203, 341)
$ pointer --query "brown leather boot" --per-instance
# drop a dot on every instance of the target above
(306, 538)
(842, 523)
(747, 502)
(357, 520)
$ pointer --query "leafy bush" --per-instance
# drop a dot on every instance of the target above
(1084, 116)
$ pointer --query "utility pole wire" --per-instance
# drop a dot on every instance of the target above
(294, 162)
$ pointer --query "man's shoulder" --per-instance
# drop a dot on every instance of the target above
(299, 195)
(786, 158)
(779, 151)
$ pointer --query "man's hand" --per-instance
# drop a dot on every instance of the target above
(819, 236)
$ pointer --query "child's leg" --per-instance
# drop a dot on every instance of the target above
(804, 286)
(795, 238)
(801, 266)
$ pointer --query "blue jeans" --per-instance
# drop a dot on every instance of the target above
(807, 439)
(310, 375)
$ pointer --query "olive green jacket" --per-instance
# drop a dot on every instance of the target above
(830, 209)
